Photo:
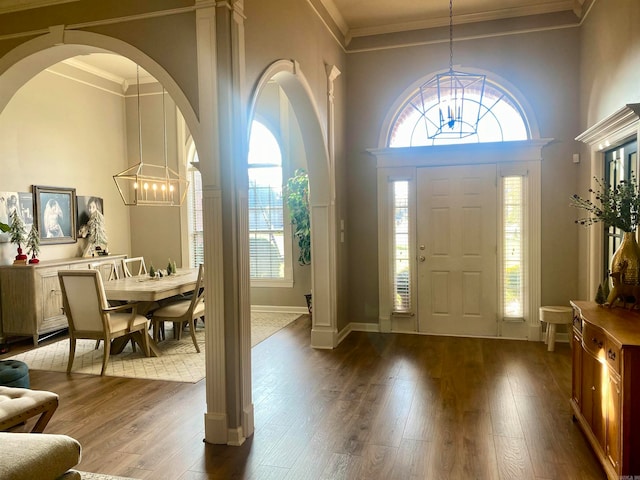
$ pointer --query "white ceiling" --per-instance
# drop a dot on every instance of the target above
(355, 18)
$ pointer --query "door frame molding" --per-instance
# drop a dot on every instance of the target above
(394, 162)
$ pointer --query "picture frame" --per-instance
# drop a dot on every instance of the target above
(55, 214)
(22, 202)
(86, 205)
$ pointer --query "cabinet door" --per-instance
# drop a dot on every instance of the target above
(51, 293)
(612, 449)
(576, 371)
(593, 396)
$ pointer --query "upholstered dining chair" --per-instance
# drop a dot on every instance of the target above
(181, 312)
(133, 266)
(91, 317)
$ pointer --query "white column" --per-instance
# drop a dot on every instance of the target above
(206, 139)
(324, 329)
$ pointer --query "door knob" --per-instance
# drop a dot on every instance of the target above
(422, 258)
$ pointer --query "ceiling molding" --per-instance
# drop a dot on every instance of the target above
(336, 16)
(8, 6)
(554, 7)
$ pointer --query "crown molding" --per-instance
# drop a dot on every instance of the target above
(8, 6)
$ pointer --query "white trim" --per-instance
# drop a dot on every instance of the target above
(614, 130)
(523, 155)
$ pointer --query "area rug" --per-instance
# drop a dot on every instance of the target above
(100, 476)
(179, 361)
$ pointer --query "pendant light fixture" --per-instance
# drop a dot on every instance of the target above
(146, 184)
(457, 116)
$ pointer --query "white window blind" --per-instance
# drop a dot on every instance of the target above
(194, 208)
(513, 247)
(400, 234)
(266, 208)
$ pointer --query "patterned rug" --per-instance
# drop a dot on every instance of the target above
(100, 476)
(179, 361)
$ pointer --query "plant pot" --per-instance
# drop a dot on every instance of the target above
(309, 304)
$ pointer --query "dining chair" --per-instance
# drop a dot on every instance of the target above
(182, 312)
(91, 317)
(133, 266)
(108, 270)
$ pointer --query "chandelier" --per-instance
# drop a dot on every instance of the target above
(146, 184)
(457, 116)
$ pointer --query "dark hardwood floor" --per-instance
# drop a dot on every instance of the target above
(392, 407)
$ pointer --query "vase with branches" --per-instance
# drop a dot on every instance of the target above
(616, 206)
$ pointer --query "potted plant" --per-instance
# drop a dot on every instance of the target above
(296, 196)
(18, 236)
(96, 235)
(617, 206)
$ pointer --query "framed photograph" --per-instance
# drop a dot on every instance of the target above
(86, 206)
(21, 202)
(55, 214)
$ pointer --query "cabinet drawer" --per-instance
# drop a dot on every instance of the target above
(594, 340)
(613, 355)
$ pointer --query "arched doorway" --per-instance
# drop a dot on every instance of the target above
(287, 75)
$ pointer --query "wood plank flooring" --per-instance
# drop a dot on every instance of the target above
(391, 407)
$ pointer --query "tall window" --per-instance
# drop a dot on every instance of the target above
(620, 163)
(266, 225)
(401, 247)
(512, 246)
(194, 208)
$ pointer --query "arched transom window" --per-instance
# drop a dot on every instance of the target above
(500, 118)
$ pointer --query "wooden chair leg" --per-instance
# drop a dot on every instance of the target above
(72, 353)
(105, 358)
(192, 327)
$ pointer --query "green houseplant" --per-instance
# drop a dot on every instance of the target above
(296, 196)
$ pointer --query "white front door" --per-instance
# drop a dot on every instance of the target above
(457, 249)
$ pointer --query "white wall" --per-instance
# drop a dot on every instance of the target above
(64, 133)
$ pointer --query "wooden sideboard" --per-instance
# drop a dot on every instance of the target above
(606, 384)
(30, 296)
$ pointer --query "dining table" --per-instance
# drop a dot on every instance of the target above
(144, 288)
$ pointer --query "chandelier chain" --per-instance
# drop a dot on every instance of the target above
(450, 35)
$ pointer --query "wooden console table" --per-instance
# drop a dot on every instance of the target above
(606, 384)
(31, 299)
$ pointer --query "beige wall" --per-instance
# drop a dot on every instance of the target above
(60, 132)
(609, 79)
(543, 66)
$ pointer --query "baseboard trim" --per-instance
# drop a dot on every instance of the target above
(278, 309)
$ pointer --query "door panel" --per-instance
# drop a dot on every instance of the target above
(456, 230)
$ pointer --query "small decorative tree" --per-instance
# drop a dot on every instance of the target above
(18, 236)
(600, 298)
(97, 236)
(33, 244)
